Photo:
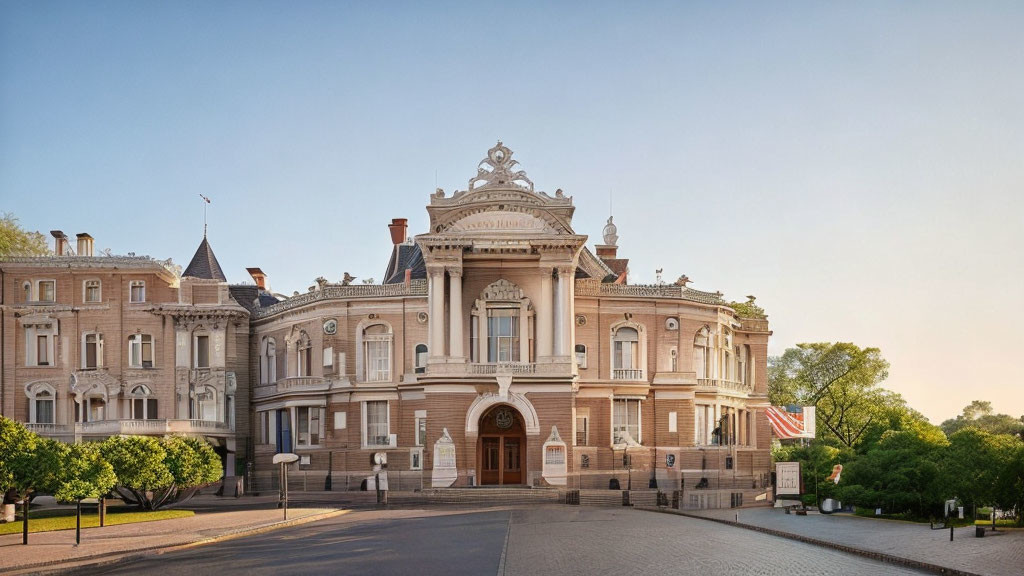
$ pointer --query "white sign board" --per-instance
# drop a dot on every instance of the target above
(787, 478)
(555, 465)
(444, 472)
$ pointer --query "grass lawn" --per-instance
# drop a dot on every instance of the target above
(64, 519)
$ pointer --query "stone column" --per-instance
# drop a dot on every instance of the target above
(565, 274)
(436, 341)
(544, 314)
(455, 312)
(524, 332)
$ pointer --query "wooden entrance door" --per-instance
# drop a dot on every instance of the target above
(501, 450)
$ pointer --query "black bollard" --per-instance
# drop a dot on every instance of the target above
(950, 533)
(78, 523)
(24, 521)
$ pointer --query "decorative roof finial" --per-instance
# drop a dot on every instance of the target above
(502, 171)
(610, 233)
(207, 202)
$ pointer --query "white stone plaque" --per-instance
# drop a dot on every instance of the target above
(555, 467)
(444, 472)
(787, 478)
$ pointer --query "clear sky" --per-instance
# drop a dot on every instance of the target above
(857, 166)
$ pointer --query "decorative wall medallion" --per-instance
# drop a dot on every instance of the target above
(421, 317)
(331, 326)
(671, 324)
(581, 320)
(584, 461)
(503, 419)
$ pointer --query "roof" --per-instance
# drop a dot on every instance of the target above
(204, 264)
(251, 297)
(403, 257)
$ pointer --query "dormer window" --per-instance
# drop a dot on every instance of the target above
(137, 291)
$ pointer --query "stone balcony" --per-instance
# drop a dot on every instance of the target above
(51, 429)
(292, 384)
(159, 427)
(635, 375)
(722, 386)
(555, 368)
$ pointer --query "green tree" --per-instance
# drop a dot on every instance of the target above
(980, 414)
(192, 463)
(972, 464)
(14, 241)
(1009, 488)
(16, 444)
(84, 474)
(839, 379)
(142, 475)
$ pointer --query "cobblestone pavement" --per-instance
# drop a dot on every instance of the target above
(557, 540)
(995, 555)
(594, 541)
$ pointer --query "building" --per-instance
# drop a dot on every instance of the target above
(499, 349)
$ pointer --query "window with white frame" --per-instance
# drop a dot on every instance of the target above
(702, 353)
(268, 361)
(328, 358)
(140, 351)
(376, 430)
(309, 426)
(92, 409)
(377, 353)
(503, 334)
(40, 344)
(201, 351)
(704, 424)
(137, 291)
(92, 350)
(626, 354)
(42, 401)
(582, 426)
(263, 431)
(420, 356)
(143, 403)
(92, 291)
(626, 421)
(581, 355)
(420, 424)
(46, 291)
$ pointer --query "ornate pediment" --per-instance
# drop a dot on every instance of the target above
(502, 289)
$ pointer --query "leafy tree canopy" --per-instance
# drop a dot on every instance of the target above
(16, 445)
(192, 462)
(138, 462)
(980, 414)
(85, 474)
(14, 241)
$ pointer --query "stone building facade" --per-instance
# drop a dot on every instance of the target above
(499, 349)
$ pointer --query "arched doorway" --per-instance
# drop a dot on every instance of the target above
(501, 447)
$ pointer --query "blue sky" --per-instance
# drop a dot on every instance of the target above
(856, 166)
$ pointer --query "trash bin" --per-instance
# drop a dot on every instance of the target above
(979, 531)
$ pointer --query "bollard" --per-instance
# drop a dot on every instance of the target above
(950, 533)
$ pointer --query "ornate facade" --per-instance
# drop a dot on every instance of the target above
(499, 349)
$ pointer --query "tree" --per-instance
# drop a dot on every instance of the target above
(192, 463)
(14, 241)
(142, 475)
(16, 444)
(38, 470)
(979, 414)
(85, 474)
(972, 464)
(1009, 488)
(839, 379)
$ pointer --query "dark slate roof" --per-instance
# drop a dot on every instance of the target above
(405, 256)
(204, 264)
(251, 297)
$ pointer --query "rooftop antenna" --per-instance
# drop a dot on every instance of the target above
(205, 203)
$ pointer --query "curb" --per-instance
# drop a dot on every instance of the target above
(54, 567)
(880, 556)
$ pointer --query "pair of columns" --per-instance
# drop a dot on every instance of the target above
(553, 318)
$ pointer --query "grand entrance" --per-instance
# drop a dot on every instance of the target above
(501, 449)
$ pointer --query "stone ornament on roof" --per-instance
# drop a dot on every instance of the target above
(610, 233)
(501, 171)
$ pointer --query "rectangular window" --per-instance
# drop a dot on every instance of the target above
(202, 355)
(328, 357)
(704, 424)
(582, 427)
(503, 335)
(42, 350)
(93, 348)
(378, 359)
(44, 408)
(47, 291)
(308, 425)
(92, 291)
(151, 409)
(581, 355)
(137, 291)
(421, 429)
(263, 433)
(626, 421)
(140, 351)
(416, 459)
(376, 427)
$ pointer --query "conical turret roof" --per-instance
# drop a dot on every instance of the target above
(204, 264)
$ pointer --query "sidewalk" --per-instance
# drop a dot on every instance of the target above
(1000, 554)
(214, 520)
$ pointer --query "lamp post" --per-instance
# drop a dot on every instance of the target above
(284, 459)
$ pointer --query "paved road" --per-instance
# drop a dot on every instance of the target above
(559, 540)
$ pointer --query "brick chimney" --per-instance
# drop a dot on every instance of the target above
(60, 242)
(259, 277)
(398, 228)
(84, 244)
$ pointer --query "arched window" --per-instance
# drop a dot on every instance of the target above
(376, 353)
(701, 353)
(268, 361)
(501, 325)
(421, 358)
(143, 404)
(626, 361)
(42, 401)
(304, 356)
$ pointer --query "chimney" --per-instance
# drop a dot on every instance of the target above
(408, 276)
(60, 242)
(606, 251)
(398, 228)
(259, 277)
(84, 244)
